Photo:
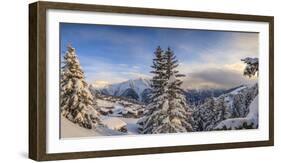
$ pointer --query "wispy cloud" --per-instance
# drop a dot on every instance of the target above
(216, 78)
(220, 66)
(111, 54)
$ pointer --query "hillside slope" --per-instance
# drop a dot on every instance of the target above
(250, 121)
(71, 130)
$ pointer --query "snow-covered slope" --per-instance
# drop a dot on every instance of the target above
(199, 96)
(250, 121)
(131, 88)
(237, 102)
(71, 130)
(229, 106)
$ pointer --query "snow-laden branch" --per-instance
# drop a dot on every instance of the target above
(252, 66)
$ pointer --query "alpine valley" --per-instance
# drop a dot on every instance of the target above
(139, 90)
(152, 106)
(212, 109)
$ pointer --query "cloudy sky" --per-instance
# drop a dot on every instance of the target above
(112, 54)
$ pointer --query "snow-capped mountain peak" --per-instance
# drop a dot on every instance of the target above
(132, 88)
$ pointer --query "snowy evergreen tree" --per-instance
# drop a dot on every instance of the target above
(220, 113)
(159, 80)
(77, 102)
(251, 69)
(179, 112)
(240, 108)
(252, 66)
(168, 111)
(209, 114)
(158, 83)
(204, 115)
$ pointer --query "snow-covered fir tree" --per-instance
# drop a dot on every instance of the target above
(179, 112)
(251, 69)
(204, 115)
(167, 111)
(220, 113)
(77, 102)
(158, 83)
(159, 80)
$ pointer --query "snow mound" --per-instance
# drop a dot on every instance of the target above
(114, 123)
(250, 121)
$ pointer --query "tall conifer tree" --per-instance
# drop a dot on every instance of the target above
(77, 102)
(158, 83)
(168, 111)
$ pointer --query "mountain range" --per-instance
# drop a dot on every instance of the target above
(139, 89)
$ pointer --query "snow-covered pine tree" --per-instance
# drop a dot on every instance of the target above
(168, 111)
(209, 114)
(204, 115)
(220, 113)
(251, 69)
(179, 112)
(159, 79)
(77, 102)
(158, 83)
